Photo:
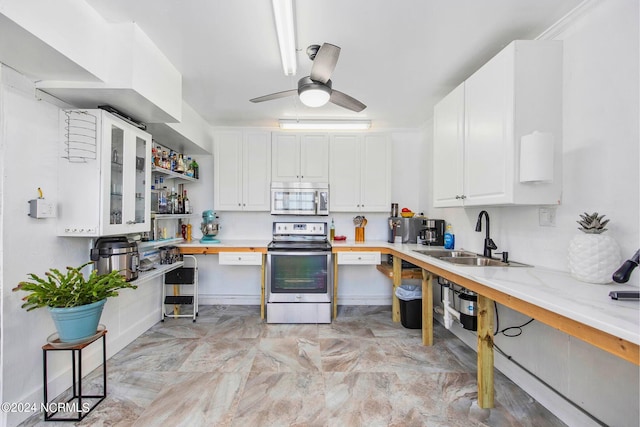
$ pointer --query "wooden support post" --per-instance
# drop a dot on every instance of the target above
(485, 352)
(427, 308)
(262, 283)
(397, 281)
(176, 307)
(335, 286)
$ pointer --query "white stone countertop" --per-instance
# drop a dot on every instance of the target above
(226, 244)
(552, 290)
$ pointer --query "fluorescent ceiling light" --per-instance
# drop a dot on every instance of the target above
(283, 14)
(325, 124)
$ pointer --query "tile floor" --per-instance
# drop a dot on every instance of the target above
(232, 369)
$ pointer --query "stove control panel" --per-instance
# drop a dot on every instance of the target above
(300, 228)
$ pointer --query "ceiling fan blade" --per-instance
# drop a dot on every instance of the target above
(344, 100)
(275, 95)
(325, 62)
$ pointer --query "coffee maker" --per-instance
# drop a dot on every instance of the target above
(404, 230)
(432, 233)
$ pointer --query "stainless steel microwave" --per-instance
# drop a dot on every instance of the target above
(299, 198)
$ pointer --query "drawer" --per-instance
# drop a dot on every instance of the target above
(363, 258)
(240, 258)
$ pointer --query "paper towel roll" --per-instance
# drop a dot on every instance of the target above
(536, 157)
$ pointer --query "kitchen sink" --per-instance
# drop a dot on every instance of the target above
(467, 258)
(439, 253)
(480, 261)
(475, 261)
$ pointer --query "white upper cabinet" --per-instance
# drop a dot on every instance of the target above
(448, 150)
(105, 169)
(360, 173)
(516, 93)
(242, 171)
(300, 157)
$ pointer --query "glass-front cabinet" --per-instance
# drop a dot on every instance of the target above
(105, 169)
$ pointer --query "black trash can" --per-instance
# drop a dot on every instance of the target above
(410, 297)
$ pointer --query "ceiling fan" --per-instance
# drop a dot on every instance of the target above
(315, 90)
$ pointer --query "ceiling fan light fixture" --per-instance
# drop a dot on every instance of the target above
(287, 124)
(283, 15)
(316, 96)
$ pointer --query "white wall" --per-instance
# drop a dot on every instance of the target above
(600, 173)
(28, 159)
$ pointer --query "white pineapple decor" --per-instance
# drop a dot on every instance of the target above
(593, 256)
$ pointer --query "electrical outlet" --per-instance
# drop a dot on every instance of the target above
(547, 217)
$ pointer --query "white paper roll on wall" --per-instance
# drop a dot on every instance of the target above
(536, 157)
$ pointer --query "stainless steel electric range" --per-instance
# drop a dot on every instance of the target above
(299, 279)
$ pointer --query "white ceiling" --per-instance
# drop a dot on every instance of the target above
(398, 57)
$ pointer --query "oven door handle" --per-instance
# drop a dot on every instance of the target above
(298, 253)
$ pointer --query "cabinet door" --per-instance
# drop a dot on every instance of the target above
(344, 179)
(256, 175)
(285, 165)
(314, 158)
(125, 162)
(113, 162)
(141, 167)
(375, 184)
(489, 132)
(448, 149)
(228, 171)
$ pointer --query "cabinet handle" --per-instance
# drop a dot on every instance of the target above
(463, 197)
(457, 197)
(239, 204)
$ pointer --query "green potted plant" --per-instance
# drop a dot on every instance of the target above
(74, 302)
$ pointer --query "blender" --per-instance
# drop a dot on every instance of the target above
(209, 227)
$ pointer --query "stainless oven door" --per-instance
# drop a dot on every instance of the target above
(299, 276)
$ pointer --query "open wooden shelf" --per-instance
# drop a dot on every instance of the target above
(407, 273)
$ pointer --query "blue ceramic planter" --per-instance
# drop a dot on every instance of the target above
(76, 324)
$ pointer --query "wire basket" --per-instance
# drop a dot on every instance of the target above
(81, 136)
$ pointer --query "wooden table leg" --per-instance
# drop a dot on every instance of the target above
(262, 280)
(427, 308)
(335, 286)
(485, 352)
(397, 281)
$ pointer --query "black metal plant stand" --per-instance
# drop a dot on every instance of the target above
(75, 401)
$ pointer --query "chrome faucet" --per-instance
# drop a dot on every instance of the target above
(488, 243)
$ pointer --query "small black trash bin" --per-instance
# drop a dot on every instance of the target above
(410, 297)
